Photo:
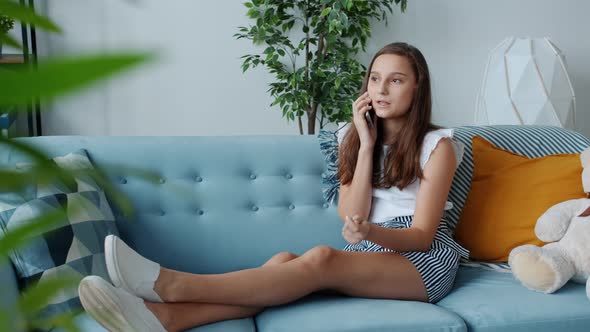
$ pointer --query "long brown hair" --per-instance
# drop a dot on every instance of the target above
(402, 163)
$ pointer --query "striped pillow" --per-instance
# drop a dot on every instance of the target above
(330, 182)
(530, 141)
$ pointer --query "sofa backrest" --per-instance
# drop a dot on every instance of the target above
(230, 202)
(221, 203)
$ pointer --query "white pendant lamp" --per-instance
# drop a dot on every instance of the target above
(526, 83)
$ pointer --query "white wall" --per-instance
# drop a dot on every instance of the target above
(457, 36)
(196, 87)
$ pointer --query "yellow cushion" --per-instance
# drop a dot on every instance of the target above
(509, 192)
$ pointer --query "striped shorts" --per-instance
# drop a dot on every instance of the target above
(438, 266)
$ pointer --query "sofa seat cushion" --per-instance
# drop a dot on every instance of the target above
(233, 325)
(489, 300)
(325, 313)
(87, 324)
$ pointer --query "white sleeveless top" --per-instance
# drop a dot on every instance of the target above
(392, 202)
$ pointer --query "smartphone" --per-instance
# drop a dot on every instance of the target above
(369, 117)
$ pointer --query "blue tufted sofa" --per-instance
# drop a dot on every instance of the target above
(243, 199)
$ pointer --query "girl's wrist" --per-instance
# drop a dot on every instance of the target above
(369, 232)
(367, 148)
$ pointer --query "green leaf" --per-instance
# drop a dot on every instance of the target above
(326, 11)
(35, 298)
(38, 159)
(64, 320)
(120, 200)
(11, 181)
(59, 76)
(27, 15)
(17, 237)
(253, 13)
(344, 19)
(7, 39)
(46, 171)
(248, 4)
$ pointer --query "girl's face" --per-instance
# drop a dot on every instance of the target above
(391, 86)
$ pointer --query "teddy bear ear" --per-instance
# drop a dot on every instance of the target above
(585, 157)
(585, 213)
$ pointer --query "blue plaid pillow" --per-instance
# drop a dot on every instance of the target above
(74, 247)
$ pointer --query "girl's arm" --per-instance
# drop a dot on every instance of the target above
(430, 204)
(355, 197)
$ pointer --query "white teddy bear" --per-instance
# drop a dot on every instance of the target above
(567, 226)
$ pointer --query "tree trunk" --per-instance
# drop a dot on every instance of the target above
(311, 116)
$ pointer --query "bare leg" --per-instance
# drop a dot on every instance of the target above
(373, 275)
(181, 316)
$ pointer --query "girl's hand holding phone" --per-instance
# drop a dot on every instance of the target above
(355, 230)
(367, 133)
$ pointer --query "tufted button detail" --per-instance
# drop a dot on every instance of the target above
(199, 211)
(326, 205)
(289, 176)
(161, 181)
(291, 207)
(198, 179)
(252, 176)
(254, 208)
(162, 213)
(123, 181)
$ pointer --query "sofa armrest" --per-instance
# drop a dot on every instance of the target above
(8, 298)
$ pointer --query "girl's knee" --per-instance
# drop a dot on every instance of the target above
(281, 257)
(319, 256)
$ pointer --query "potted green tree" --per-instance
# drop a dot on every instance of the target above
(326, 35)
(6, 24)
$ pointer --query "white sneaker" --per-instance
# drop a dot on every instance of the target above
(115, 309)
(129, 270)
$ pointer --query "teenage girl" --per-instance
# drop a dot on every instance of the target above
(395, 174)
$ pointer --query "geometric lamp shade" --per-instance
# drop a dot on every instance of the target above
(526, 83)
